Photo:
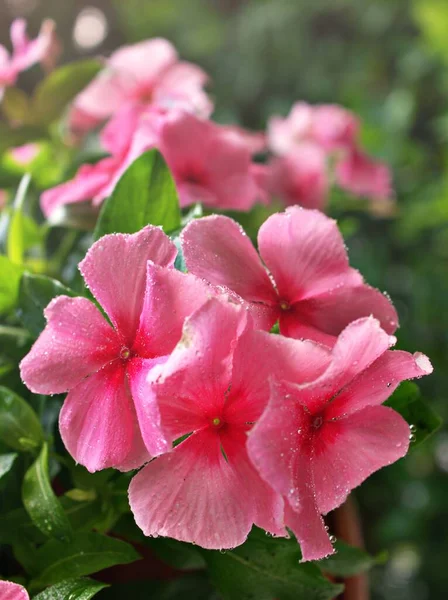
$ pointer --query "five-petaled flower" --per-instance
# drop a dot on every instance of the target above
(310, 286)
(104, 421)
(315, 442)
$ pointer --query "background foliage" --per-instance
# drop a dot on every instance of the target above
(387, 60)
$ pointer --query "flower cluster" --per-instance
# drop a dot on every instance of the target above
(180, 373)
(148, 98)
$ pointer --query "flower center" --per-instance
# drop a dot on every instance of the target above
(125, 353)
(284, 305)
(317, 422)
(217, 423)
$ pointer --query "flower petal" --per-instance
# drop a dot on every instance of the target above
(348, 450)
(217, 249)
(76, 342)
(357, 347)
(98, 424)
(170, 297)
(305, 253)
(270, 355)
(115, 271)
(374, 385)
(329, 313)
(191, 386)
(12, 591)
(193, 495)
(280, 447)
(146, 405)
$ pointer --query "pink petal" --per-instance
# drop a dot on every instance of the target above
(12, 591)
(374, 385)
(334, 128)
(170, 297)
(145, 61)
(98, 424)
(26, 52)
(269, 506)
(330, 312)
(301, 177)
(348, 450)
(357, 347)
(76, 342)
(362, 176)
(285, 134)
(191, 386)
(89, 182)
(217, 249)
(193, 495)
(117, 135)
(146, 406)
(280, 449)
(305, 253)
(104, 95)
(115, 271)
(271, 355)
(181, 87)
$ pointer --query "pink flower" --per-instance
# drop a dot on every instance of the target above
(104, 421)
(362, 176)
(316, 442)
(146, 73)
(309, 287)
(96, 182)
(26, 52)
(300, 177)
(12, 591)
(209, 164)
(327, 125)
(25, 154)
(205, 490)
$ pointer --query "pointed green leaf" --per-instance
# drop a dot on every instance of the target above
(145, 194)
(87, 553)
(6, 463)
(10, 275)
(266, 568)
(19, 426)
(35, 293)
(72, 589)
(41, 502)
(56, 91)
(16, 233)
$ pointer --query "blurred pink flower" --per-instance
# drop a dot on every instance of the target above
(210, 164)
(25, 154)
(316, 442)
(362, 176)
(327, 125)
(25, 53)
(104, 421)
(310, 287)
(301, 177)
(147, 73)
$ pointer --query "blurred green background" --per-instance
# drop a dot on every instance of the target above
(387, 60)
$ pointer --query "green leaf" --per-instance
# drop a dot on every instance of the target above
(16, 233)
(19, 426)
(56, 91)
(10, 275)
(6, 463)
(40, 501)
(17, 136)
(407, 401)
(87, 553)
(145, 194)
(266, 568)
(72, 589)
(347, 561)
(16, 105)
(35, 293)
